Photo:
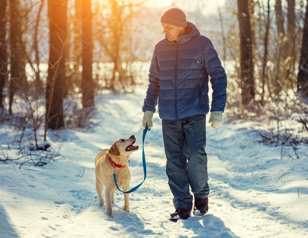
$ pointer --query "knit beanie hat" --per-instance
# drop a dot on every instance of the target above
(174, 16)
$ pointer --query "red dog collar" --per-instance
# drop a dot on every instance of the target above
(115, 165)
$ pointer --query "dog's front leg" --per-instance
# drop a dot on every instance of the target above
(99, 189)
(108, 197)
(126, 198)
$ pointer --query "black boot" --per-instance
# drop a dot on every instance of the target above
(201, 206)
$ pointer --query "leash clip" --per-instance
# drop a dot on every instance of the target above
(113, 168)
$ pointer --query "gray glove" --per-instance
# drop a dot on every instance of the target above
(216, 119)
(147, 119)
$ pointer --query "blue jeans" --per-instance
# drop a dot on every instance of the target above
(184, 142)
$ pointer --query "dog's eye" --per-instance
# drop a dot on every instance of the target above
(122, 140)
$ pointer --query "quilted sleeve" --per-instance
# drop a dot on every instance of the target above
(218, 77)
(150, 100)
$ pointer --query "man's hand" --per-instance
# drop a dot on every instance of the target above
(216, 119)
(147, 119)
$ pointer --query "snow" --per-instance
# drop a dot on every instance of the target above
(43, 145)
(254, 193)
(198, 213)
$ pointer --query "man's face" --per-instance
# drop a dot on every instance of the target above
(172, 32)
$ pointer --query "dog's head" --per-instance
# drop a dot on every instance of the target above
(124, 146)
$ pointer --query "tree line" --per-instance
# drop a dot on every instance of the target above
(59, 33)
(268, 46)
(288, 56)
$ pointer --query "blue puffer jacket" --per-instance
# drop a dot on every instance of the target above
(179, 77)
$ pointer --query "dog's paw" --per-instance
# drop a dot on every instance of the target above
(101, 202)
(126, 209)
(110, 215)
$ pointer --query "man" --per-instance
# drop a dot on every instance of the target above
(178, 78)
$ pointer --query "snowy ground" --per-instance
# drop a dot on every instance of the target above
(254, 193)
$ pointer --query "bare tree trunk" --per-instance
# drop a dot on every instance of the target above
(36, 47)
(291, 27)
(77, 38)
(3, 51)
(57, 13)
(247, 81)
(114, 36)
(118, 22)
(251, 8)
(16, 62)
(223, 36)
(302, 78)
(280, 29)
(265, 56)
(87, 55)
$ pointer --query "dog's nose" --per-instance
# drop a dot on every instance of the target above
(132, 137)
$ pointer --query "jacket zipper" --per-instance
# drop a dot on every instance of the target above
(176, 69)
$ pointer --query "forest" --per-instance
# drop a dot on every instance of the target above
(56, 55)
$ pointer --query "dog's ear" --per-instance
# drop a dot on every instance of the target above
(114, 150)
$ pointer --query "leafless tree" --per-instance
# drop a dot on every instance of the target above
(291, 27)
(302, 78)
(3, 51)
(87, 54)
(265, 55)
(222, 35)
(253, 21)
(57, 13)
(17, 79)
(280, 29)
(36, 45)
(114, 34)
(247, 82)
(77, 40)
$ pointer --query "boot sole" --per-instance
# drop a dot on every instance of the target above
(176, 218)
(198, 213)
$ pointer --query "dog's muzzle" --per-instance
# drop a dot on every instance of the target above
(131, 147)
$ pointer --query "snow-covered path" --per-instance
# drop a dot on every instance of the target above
(253, 192)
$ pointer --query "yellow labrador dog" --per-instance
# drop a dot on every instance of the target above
(114, 160)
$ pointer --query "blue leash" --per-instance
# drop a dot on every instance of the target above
(144, 166)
